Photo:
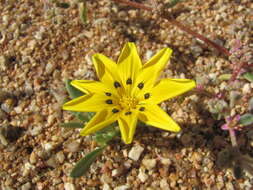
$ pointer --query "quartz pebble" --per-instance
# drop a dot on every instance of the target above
(135, 152)
(69, 186)
(106, 187)
(149, 163)
(3, 63)
(36, 130)
(122, 187)
(142, 176)
(26, 186)
(60, 157)
(72, 146)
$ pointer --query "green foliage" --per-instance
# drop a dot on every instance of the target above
(172, 3)
(246, 119)
(102, 137)
(84, 164)
(72, 125)
(83, 12)
(73, 92)
(237, 170)
(248, 76)
(62, 5)
(84, 117)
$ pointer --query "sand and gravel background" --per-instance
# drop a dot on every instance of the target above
(42, 45)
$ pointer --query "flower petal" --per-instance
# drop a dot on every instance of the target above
(127, 124)
(155, 116)
(88, 103)
(129, 64)
(151, 70)
(102, 119)
(89, 86)
(169, 88)
(106, 69)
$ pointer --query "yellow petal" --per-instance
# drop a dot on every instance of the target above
(106, 69)
(127, 124)
(169, 88)
(89, 103)
(89, 86)
(155, 116)
(151, 70)
(129, 64)
(102, 119)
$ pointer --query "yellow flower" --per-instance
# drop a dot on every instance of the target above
(128, 91)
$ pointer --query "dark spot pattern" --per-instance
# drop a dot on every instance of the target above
(117, 84)
(141, 85)
(109, 101)
(128, 113)
(146, 96)
(129, 81)
(114, 110)
(142, 108)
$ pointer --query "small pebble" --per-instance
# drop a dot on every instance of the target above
(36, 130)
(60, 157)
(142, 176)
(149, 163)
(69, 186)
(3, 63)
(52, 162)
(106, 187)
(26, 186)
(135, 152)
(122, 187)
(72, 146)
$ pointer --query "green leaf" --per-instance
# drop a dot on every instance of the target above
(62, 5)
(224, 77)
(84, 117)
(172, 3)
(73, 92)
(248, 76)
(83, 12)
(84, 164)
(237, 170)
(246, 119)
(102, 137)
(73, 125)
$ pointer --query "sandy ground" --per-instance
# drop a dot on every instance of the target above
(42, 45)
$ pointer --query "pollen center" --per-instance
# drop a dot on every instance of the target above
(128, 103)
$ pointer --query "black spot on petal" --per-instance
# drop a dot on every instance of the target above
(108, 101)
(146, 96)
(128, 113)
(114, 110)
(141, 85)
(142, 108)
(117, 84)
(108, 94)
(129, 81)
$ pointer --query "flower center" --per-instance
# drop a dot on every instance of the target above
(127, 103)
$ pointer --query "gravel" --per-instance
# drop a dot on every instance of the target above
(45, 45)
